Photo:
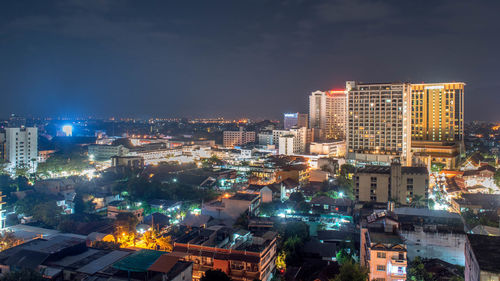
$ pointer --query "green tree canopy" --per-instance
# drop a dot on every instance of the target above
(350, 271)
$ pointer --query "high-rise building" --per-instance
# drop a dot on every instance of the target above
(437, 123)
(21, 147)
(438, 112)
(2, 145)
(336, 108)
(317, 110)
(296, 119)
(2, 212)
(327, 112)
(379, 122)
(290, 120)
(241, 137)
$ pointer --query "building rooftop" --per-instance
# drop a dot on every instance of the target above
(479, 199)
(385, 238)
(387, 170)
(139, 261)
(244, 196)
(487, 251)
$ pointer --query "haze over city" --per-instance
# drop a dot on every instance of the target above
(235, 58)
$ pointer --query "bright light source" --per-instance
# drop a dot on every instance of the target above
(68, 130)
(341, 194)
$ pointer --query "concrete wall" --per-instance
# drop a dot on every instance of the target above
(449, 247)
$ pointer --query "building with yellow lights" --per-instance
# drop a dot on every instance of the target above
(437, 129)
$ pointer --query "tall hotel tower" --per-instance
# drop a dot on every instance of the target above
(327, 112)
(379, 122)
(438, 122)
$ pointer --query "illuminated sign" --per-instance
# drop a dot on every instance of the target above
(434, 87)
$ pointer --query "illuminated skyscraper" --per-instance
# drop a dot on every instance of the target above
(438, 112)
(336, 107)
(317, 110)
(379, 122)
(437, 123)
(327, 113)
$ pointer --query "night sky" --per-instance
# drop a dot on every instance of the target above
(237, 58)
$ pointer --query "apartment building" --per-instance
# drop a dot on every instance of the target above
(397, 183)
(240, 137)
(378, 122)
(242, 255)
(327, 112)
(382, 250)
(21, 147)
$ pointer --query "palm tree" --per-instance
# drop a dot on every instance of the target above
(417, 201)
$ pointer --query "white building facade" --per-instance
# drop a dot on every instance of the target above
(21, 148)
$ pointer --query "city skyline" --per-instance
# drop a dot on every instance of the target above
(167, 59)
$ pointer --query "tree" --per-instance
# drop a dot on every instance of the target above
(347, 169)
(48, 213)
(242, 221)
(215, 275)
(417, 272)
(164, 243)
(303, 207)
(297, 197)
(350, 271)
(293, 248)
(8, 240)
(417, 201)
(23, 275)
(281, 261)
(299, 229)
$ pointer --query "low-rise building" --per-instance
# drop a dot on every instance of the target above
(382, 250)
(482, 254)
(105, 152)
(477, 203)
(136, 162)
(397, 183)
(332, 148)
(118, 207)
(235, 138)
(242, 255)
(232, 207)
(428, 153)
(432, 234)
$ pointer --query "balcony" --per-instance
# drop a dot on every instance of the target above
(397, 260)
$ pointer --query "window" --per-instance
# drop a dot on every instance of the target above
(380, 267)
(380, 255)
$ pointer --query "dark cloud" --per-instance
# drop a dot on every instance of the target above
(236, 58)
